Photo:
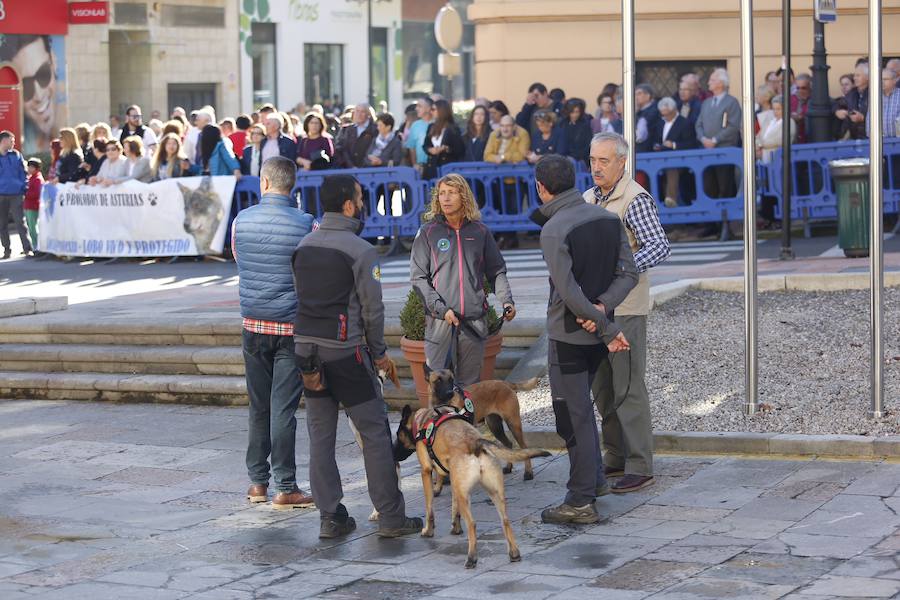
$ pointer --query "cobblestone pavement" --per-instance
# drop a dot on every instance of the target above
(147, 501)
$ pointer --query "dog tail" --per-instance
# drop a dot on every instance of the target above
(505, 454)
(495, 424)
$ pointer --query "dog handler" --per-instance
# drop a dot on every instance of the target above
(339, 335)
(619, 387)
(590, 263)
(263, 238)
(452, 253)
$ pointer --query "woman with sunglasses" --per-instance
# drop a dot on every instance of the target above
(113, 168)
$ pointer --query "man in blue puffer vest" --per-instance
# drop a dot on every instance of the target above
(263, 240)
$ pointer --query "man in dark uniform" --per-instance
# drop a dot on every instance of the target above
(339, 334)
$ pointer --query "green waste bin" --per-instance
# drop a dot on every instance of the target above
(851, 181)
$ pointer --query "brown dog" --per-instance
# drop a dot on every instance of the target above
(495, 403)
(446, 443)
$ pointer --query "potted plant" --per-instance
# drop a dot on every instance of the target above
(412, 342)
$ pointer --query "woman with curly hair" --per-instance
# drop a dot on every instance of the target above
(452, 254)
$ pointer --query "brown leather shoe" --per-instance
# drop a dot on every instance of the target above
(295, 499)
(257, 493)
(613, 471)
(631, 483)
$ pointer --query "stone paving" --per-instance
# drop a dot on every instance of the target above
(146, 501)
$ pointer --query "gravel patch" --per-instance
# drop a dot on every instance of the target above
(813, 365)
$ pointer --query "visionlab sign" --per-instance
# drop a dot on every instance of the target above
(88, 12)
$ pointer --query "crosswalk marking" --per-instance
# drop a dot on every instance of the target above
(522, 263)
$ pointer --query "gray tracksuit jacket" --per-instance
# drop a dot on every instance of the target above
(447, 268)
(587, 254)
(338, 283)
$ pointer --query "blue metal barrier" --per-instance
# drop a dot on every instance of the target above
(813, 195)
(704, 208)
(505, 193)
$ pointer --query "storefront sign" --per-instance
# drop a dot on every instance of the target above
(88, 12)
(11, 103)
(34, 16)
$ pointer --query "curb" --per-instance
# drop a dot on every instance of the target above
(19, 307)
(774, 444)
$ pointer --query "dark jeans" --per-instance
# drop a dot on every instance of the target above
(274, 387)
(13, 204)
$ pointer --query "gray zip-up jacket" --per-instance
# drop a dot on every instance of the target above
(587, 254)
(447, 268)
(338, 283)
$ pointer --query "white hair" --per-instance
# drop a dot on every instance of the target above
(721, 75)
(668, 103)
(611, 136)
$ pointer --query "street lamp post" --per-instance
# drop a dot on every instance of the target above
(787, 252)
(820, 106)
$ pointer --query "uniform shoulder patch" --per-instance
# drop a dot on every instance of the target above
(376, 272)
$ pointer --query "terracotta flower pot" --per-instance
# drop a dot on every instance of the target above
(414, 353)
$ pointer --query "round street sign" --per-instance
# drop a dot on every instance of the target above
(448, 28)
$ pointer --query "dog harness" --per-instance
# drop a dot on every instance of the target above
(429, 428)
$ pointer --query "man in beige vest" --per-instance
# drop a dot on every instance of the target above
(619, 389)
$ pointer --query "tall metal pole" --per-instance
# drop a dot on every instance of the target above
(787, 253)
(751, 375)
(628, 121)
(369, 42)
(820, 106)
(876, 225)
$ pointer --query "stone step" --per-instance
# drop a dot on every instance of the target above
(164, 360)
(196, 332)
(220, 390)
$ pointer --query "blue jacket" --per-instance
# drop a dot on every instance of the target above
(12, 174)
(264, 239)
(223, 162)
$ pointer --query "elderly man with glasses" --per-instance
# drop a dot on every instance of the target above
(800, 101)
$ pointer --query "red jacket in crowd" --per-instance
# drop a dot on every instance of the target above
(33, 192)
(238, 141)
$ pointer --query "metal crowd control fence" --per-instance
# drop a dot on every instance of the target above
(395, 197)
(814, 196)
(505, 194)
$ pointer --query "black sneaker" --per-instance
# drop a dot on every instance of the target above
(565, 513)
(7, 254)
(410, 525)
(337, 524)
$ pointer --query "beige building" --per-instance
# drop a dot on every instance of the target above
(156, 54)
(577, 44)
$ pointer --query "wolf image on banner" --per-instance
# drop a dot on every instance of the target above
(203, 212)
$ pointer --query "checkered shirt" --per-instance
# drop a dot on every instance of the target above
(642, 219)
(268, 327)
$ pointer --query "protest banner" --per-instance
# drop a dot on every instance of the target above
(172, 217)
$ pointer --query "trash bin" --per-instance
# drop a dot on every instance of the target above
(851, 181)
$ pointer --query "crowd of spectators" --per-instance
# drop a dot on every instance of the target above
(428, 135)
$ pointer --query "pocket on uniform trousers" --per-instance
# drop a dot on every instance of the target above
(350, 379)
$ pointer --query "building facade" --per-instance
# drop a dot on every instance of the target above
(295, 52)
(154, 54)
(577, 44)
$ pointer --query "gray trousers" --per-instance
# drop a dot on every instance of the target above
(13, 204)
(466, 353)
(571, 370)
(346, 371)
(624, 404)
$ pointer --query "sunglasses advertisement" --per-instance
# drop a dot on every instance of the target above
(40, 62)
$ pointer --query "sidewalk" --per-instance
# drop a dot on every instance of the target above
(146, 501)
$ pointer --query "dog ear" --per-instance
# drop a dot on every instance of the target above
(428, 370)
(404, 415)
